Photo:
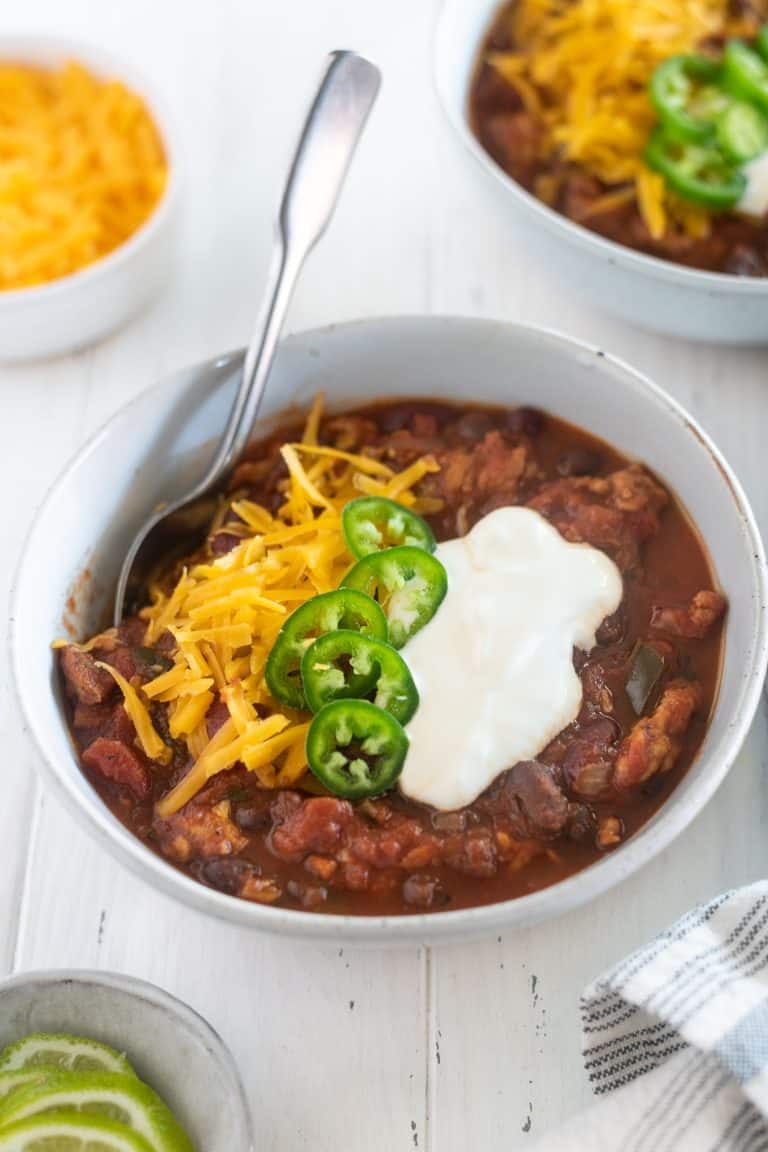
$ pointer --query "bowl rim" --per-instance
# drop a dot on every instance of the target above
(545, 903)
(555, 222)
(139, 989)
(30, 48)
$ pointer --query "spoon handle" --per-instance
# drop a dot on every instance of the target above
(332, 129)
(328, 141)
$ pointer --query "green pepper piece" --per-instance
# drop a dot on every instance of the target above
(701, 175)
(408, 582)
(676, 88)
(355, 749)
(742, 132)
(647, 669)
(761, 43)
(708, 104)
(346, 665)
(343, 608)
(373, 523)
(745, 74)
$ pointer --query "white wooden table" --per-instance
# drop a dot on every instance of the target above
(474, 1046)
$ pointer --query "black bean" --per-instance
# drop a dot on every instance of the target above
(524, 421)
(250, 818)
(579, 462)
(226, 874)
(473, 425)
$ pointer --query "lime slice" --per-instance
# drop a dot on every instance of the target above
(70, 1132)
(108, 1095)
(69, 1053)
(11, 1081)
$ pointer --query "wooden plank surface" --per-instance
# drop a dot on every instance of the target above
(454, 1048)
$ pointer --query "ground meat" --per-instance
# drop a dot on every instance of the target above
(615, 512)
(199, 831)
(693, 620)
(473, 854)
(313, 825)
(119, 763)
(349, 432)
(84, 680)
(402, 841)
(481, 477)
(323, 867)
(578, 193)
(653, 744)
(515, 138)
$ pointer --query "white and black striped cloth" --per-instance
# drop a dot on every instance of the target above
(676, 1039)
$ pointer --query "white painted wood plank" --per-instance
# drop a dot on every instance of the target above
(416, 230)
(32, 451)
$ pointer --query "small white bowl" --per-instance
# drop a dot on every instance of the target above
(172, 1048)
(641, 289)
(159, 445)
(78, 309)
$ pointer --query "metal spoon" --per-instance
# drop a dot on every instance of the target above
(328, 140)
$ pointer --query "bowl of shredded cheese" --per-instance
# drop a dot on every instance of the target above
(579, 73)
(88, 189)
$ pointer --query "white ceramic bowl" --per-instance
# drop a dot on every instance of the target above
(157, 445)
(168, 1044)
(641, 289)
(81, 308)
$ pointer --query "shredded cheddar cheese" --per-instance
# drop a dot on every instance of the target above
(151, 743)
(582, 67)
(224, 614)
(82, 166)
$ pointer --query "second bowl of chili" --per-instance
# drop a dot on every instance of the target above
(645, 282)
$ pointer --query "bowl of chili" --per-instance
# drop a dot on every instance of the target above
(669, 692)
(641, 201)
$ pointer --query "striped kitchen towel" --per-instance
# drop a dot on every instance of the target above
(676, 1039)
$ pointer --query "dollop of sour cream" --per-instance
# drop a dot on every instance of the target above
(494, 666)
(754, 198)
